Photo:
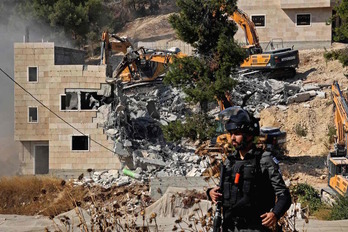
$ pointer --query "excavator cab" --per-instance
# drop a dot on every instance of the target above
(252, 50)
(280, 63)
(338, 175)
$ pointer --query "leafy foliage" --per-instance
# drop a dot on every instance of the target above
(205, 25)
(340, 210)
(341, 32)
(77, 17)
(81, 20)
(301, 130)
(198, 126)
(331, 133)
(142, 8)
(308, 196)
(341, 55)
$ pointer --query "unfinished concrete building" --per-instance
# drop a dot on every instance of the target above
(58, 78)
(303, 24)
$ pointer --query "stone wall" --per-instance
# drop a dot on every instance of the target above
(68, 56)
(281, 23)
(53, 80)
(296, 4)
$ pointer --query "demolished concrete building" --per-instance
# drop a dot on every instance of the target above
(58, 78)
(121, 126)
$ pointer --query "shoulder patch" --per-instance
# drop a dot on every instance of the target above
(275, 160)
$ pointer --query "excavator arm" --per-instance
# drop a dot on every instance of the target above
(242, 19)
(337, 161)
(112, 43)
(341, 115)
(144, 65)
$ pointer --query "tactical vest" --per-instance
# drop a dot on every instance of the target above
(241, 184)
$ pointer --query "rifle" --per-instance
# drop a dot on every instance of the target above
(217, 217)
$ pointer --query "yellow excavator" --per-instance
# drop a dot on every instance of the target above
(337, 161)
(141, 65)
(280, 63)
(144, 65)
(113, 43)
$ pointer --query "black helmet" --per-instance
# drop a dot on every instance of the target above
(236, 118)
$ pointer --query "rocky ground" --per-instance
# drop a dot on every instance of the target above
(308, 153)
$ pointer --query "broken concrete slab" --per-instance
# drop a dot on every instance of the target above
(111, 132)
(321, 94)
(309, 87)
(172, 118)
(299, 97)
(193, 172)
(281, 107)
(165, 207)
(119, 150)
(159, 185)
(127, 143)
(312, 93)
(22, 223)
(151, 162)
(123, 180)
(105, 90)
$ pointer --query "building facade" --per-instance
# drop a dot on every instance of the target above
(304, 24)
(59, 80)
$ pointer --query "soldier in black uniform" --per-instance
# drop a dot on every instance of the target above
(253, 192)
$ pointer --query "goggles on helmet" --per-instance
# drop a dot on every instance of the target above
(237, 119)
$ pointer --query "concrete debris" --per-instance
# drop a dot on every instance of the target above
(299, 97)
(270, 92)
(105, 91)
(120, 150)
(309, 87)
(321, 94)
(111, 132)
(133, 122)
(295, 211)
(105, 179)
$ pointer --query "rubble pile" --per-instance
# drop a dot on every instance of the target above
(268, 92)
(133, 122)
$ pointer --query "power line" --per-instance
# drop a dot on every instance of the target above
(53, 111)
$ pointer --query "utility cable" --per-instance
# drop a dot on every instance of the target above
(12, 79)
(209, 163)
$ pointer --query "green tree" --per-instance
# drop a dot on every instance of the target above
(341, 31)
(340, 209)
(206, 75)
(205, 25)
(77, 18)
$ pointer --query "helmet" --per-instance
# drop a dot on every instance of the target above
(236, 118)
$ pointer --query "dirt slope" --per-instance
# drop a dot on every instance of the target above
(308, 153)
(149, 29)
